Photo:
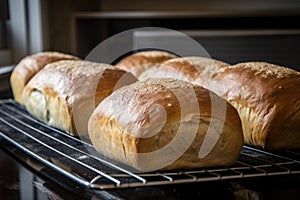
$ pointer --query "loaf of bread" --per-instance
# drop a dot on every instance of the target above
(166, 124)
(138, 62)
(197, 70)
(267, 98)
(29, 66)
(64, 94)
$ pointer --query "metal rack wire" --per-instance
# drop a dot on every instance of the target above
(78, 161)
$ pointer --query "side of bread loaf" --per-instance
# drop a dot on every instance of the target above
(141, 61)
(166, 124)
(267, 97)
(29, 66)
(64, 93)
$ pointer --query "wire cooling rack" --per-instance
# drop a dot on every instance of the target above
(79, 162)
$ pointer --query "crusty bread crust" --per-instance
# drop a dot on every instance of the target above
(29, 66)
(136, 123)
(65, 93)
(141, 61)
(267, 97)
(198, 70)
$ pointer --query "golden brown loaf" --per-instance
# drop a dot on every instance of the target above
(65, 93)
(168, 124)
(139, 62)
(29, 66)
(267, 98)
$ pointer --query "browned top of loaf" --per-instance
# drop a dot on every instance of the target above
(264, 87)
(265, 70)
(75, 80)
(53, 55)
(193, 67)
(142, 58)
(142, 103)
(196, 70)
(30, 65)
(78, 68)
(260, 79)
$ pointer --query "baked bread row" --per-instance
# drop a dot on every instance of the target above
(266, 96)
(162, 122)
(62, 90)
(64, 84)
(150, 125)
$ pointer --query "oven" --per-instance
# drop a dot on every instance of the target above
(41, 162)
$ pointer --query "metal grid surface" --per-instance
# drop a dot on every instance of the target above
(78, 161)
